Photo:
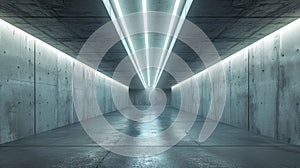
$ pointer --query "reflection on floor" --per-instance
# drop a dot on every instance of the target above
(227, 147)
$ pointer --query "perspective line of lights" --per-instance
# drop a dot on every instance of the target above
(170, 40)
(127, 42)
(167, 52)
(131, 54)
(146, 38)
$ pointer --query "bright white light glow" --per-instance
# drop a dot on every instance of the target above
(146, 39)
(57, 52)
(171, 36)
(167, 51)
(171, 26)
(127, 43)
(294, 25)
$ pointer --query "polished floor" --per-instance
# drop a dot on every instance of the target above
(228, 147)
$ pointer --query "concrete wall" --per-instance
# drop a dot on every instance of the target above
(36, 86)
(141, 96)
(16, 84)
(93, 92)
(263, 90)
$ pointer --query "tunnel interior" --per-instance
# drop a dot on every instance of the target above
(139, 83)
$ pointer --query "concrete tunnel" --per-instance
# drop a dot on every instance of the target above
(140, 83)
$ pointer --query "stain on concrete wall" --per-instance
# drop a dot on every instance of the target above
(263, 86)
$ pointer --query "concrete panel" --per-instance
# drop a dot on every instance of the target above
(46, 87)
(36, 86)
(65, 91)
(175, 98)
(121, 91)
(16, 84)
(16, 110)
(139, 97)
(262, 87)
(108, 98)
(226, 116)
(205, 93)
(16, 51)
(46, 107)
(46, 64)
(103, 86)
(121, 98)
(101, 94)
(89, 79)
(118, 88)
(236, 106)
(238, 92)
(263, 77)
(185, 104)
(289, 86)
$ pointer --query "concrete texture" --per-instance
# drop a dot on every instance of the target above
(262, 87)
(289, 87)
(141, 97)
(228, 147)
(230, 24)
(36, 86)
(16, 84)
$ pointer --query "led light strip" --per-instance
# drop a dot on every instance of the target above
(131, 54)
(171, 25)
(279, 31)
(146, 39)
(57, 51)
(163, 60)
(129, 48)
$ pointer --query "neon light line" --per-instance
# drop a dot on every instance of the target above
(146, 39)
(129, 49)
(177, 31)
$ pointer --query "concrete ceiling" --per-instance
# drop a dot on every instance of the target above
(230, 24)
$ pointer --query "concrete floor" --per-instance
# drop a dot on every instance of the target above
(227, 147)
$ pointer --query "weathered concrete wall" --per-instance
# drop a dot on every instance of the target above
(16, 84)
(289, 86)
(237, 90)
(263, 90)
(92, 92)
(36, 86)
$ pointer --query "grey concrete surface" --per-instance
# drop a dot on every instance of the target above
(262, 81)
(230, 24)
(36, 86)
(140, 97)
(227, 147)
(262, 87)
(16, 84)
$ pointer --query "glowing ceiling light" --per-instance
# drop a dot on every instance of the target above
(146, 39)
(132, 53)
(129, 49)
(166, 52)
(171, 25)
(173, 30)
